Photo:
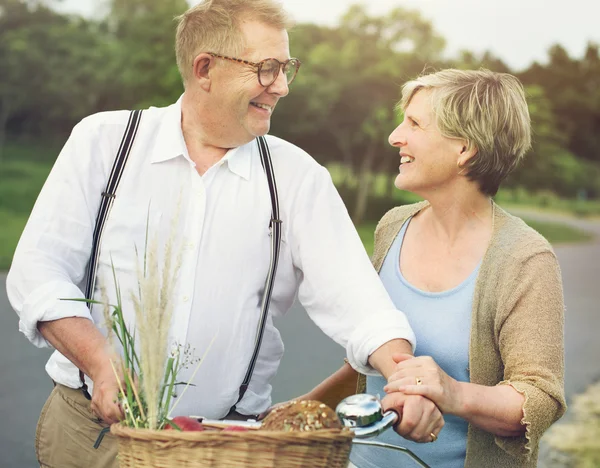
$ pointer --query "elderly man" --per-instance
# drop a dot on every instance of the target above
(234, 191)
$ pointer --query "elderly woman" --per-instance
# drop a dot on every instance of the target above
(481, 289)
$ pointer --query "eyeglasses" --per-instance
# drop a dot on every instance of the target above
(268, 70)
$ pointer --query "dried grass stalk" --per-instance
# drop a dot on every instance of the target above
(153, 312)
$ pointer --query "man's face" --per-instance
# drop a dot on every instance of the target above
(239, 103)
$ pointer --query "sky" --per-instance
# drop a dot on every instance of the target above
(517, 31)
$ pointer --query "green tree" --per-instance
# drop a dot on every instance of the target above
(51, 69)
(142, 34)
(573, 87)
(350, 84)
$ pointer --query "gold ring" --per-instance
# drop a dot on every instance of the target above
(433, 437)
(418, 381)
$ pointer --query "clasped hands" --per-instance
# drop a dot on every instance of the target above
(420, 392)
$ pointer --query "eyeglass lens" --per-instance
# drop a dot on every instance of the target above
(270, 70)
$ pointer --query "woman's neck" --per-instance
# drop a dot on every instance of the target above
(451, 218)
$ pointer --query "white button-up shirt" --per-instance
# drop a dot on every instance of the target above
(223, 229)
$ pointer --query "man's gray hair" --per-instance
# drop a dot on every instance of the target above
(214, 26)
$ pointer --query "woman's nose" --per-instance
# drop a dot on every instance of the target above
(396, 138)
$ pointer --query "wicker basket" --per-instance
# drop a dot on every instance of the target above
(142, 448)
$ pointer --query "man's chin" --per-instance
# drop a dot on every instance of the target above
(261, 130)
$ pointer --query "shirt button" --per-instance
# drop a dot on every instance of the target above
(186, 298)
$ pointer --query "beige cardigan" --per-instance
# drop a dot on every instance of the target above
(516, 331)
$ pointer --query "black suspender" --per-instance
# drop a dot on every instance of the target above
(105, 203)
(275, 225)
(109, 195)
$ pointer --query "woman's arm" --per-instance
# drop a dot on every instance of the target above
(334, 388)
(529, 323)
(497, 409)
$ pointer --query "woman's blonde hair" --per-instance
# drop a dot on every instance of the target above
(214, 26)
(486, 109)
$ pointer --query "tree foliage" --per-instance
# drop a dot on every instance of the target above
(56, 68)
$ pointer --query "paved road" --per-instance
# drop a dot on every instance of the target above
(24, 387)
(310, 356)
(580, 265)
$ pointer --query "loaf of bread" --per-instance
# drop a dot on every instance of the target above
(305, 415)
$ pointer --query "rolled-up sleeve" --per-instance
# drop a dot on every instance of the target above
(51, 257)
(339, 288)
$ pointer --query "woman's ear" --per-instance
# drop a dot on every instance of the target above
(466, 153)
(202, 68)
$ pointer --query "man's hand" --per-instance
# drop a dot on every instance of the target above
(105, 396)
(81, 342)
(419, 417)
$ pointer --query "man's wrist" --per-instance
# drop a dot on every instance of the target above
(381, 359)
(99, 364)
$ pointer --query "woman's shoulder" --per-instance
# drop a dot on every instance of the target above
(388, 227)
(515, 237)
(399, 214)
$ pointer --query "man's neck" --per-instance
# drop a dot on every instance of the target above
(204, 150)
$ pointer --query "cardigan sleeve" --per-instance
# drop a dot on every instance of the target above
(530, 332)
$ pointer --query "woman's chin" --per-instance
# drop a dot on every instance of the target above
(401, 182)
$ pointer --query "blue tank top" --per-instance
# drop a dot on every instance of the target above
(442, 322)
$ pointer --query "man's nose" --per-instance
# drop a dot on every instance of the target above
(280, 85)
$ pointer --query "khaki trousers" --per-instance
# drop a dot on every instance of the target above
(67, 431)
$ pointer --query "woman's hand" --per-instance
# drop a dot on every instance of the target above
(423, 376)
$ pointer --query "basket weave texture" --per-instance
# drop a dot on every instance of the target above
(142, 448)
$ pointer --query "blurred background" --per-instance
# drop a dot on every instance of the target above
(63, 60)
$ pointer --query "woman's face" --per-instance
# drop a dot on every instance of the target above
(428, 160)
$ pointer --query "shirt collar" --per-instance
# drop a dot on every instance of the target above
(239, 160)
(170, 144)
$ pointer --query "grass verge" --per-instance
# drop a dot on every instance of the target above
(556, 233)
(22, 177)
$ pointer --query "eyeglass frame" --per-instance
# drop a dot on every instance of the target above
(258, 65)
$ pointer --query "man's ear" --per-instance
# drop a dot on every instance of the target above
(202, 68)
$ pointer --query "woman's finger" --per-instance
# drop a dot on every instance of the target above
(405, 382)
(413, 373)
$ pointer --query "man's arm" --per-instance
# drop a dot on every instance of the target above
(339, 288)
(51, 257)
(344, 296)
(382, 360)
(344, 382)
(81, 342)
